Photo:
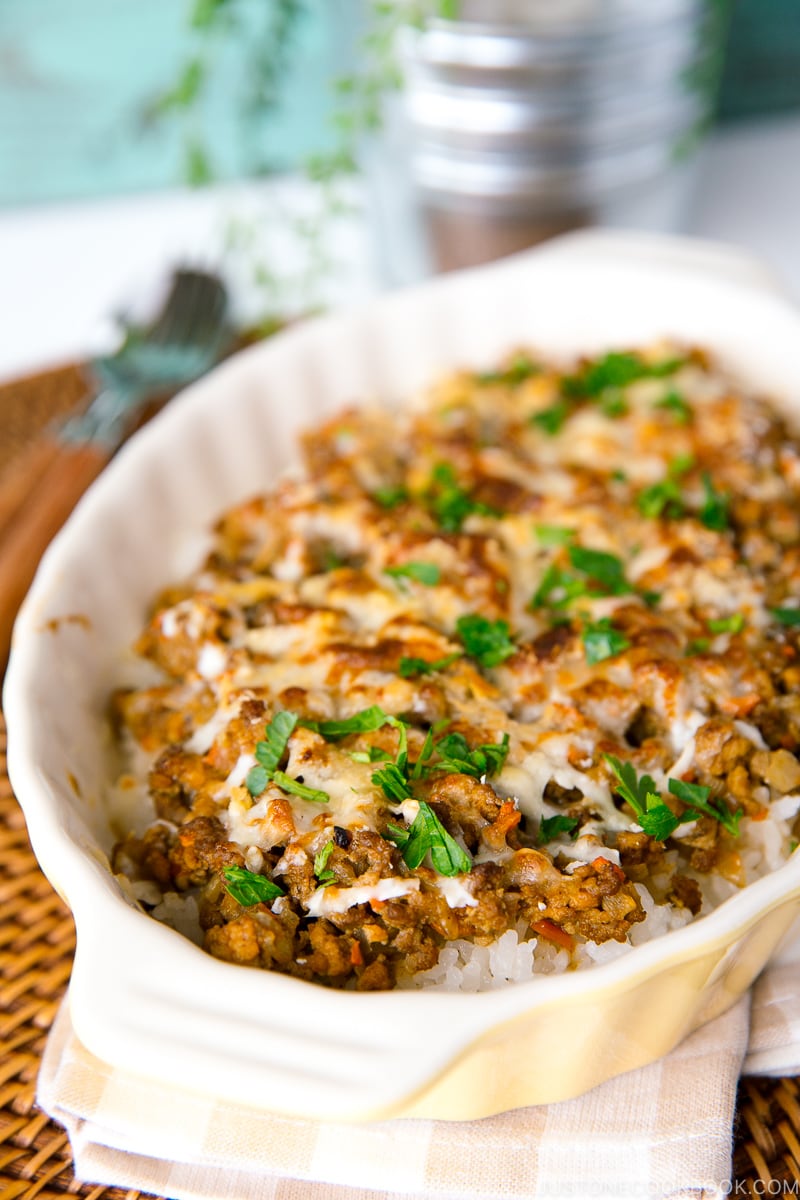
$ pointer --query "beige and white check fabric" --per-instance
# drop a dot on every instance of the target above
(662, 1131)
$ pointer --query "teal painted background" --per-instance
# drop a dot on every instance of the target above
(76, 78)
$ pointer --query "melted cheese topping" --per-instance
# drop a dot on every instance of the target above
(626, 546)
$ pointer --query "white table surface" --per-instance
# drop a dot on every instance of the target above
(65, 269)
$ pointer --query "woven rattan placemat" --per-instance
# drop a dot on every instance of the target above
(37, 941)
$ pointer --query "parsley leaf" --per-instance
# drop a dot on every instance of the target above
(714, 513)
(553, 535)
(270, 751)
(613, 403)
(601, 640)
(735, 623)
(280, 729)
(488, 642)
(391, 496)
(677, 405)
(655, 817)
(550, 420)
(409, 667)
(617, 370)
(256, 781)
(294, 788)
(696, 796)
(551, 827)
(605, 569)
(421, 572)
(427, 834)
(374, 754)
(248, 888)
(323, 873)
(665, 498)
(393, 782)
(456, 758)
(786, 616)
(366, 721)
(697, 646)
(558, 588)
(661, 499)
(449, 504)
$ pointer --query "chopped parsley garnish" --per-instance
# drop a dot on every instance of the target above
(393, 782)
(248, 888)
(735, 623)
(661, 500)
(366, 721)
(374, 754)
(601, 640)
(518, 370)
(421, 572)
(428, 835)
(270, 751)
(619, 476)
(617, 370)
(665, 499)
(488, 642)
(550, 420)
(786, 616)
(605, 569)
(612, 403)
(655, 817)
(390, 497)
(295, 788)
(456, 758)
(324, 874)
(449, 504)
(409, 667)
(714, 513)
(598, 574)
(551, 827)
(553, 535)
(697, 646)
(677, 405)
(696, 796)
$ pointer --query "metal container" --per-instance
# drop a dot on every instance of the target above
(538, 119)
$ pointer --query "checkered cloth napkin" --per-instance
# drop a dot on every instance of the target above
(662, 1131)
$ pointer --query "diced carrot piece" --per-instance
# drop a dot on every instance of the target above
(554, 933)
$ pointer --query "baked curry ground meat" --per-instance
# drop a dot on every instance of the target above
(523, 656)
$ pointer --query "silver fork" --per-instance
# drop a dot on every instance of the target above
(184, 340)
(42, 487)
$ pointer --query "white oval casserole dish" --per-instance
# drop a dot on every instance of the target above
(145, 999)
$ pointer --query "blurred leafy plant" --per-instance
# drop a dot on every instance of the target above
(222, 27)
(215, 28)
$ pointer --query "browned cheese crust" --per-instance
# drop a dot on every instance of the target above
(625, 530)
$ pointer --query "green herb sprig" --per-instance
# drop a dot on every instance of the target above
(427, 835)
(655, 817)
(786, 616)
(552, 827)
(410, 667)
(270, 751)
(448, 503)
(488, 642)
(601, 640)
(248, 888)
(324, 875)
(421, 572)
